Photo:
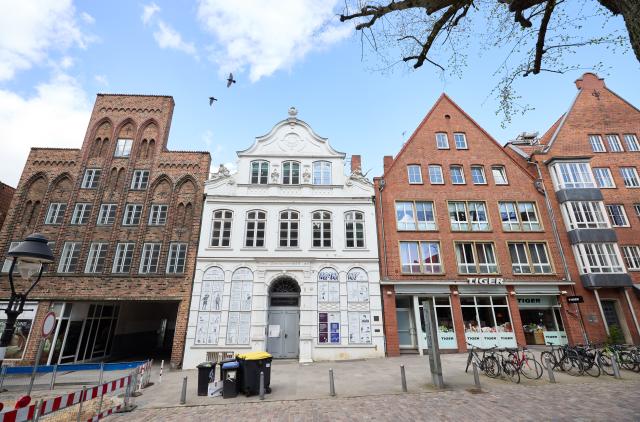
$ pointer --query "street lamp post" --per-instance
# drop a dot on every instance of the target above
(29, 256)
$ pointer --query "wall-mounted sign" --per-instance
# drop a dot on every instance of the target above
(485, 280)
(575, 299)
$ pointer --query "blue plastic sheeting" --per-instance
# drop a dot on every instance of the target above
(45, 369)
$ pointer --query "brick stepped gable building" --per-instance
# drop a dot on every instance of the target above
(123, 217)
(589, 161)
(464, 223)
(6, 194)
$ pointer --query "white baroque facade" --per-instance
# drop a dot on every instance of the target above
(288, 255)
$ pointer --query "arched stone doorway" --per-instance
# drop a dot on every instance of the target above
(284, 318)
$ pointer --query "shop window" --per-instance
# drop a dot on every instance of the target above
(603, 177)
(55, 213)
(541, 321)
(177, 258)
(99, 328)
(329, 327)
(486, 320)
(321, 173)
(354, 229)
(415, 174)
(22, 329)
(328, 286)
(598, 258)
(519, 216)
(81, 214)
(468, 216)
(255, 228)
(91, 178)
(632, 257)
(415, 215)
(420, 257)
(69, 257)
(321, 229)
(289, 228)
(357, 286)
(122, 259)
(221, 228)
(107, 214)
(476, 258)
(584, 215)
(290, 173)
(96, 258)
(211, 291)
(149, 258)
(359, 327)
(259, 172)
(239, 323)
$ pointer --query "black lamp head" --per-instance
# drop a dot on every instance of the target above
(33, 249)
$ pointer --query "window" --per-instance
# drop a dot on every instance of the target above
(328, 286)
(529, 258)
(420, 257)
(259, 172)
(6, 266)
(122, 259)
(221, 228)
(614, 143)
(359, 327)
(158, 215)
(637, 208)
(354, 229)
(632, 257)
(81, 214)
(329, 327)
(239, 323)
(177, 258)
(140, 179)
(476, 258)
(123, 148)
(572, 176)
(632, 142)
(596, 143)
(132, 213)
(55, 214)
(584, 215)
(630, 177)
(442, 142)
(149, 258)
(69, 257)
(499, 175)
(617, 215)
(208, 325)
(291, 173)
(357, 286)
(321, 173)
(519, 216)
(415, 216)
(603, 177)
(598, 258)
(96, 258)
(457, 175)
(107, 214)
(460, 140)
(435, 175)
(321, 227)
(415, 174)
(289, 227)
(486, 314)
(91, 178)
(477, 175)
(471, 215)
(255, 226)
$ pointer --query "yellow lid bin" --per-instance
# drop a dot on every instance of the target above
(254, 356)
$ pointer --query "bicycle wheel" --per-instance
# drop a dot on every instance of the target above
(468, 361)
(491, 366)
(551, 357)
(572, 365)
(590, 367)
(511, 371)
(604, 362)
(531, 368)
(627, 361)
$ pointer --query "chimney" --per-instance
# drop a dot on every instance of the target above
(590, 81)
(388, 160)
(356, 163)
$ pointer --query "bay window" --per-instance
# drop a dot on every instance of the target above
(584, 215)
(598, 258)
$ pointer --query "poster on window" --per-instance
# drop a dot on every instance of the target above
(18, 342)
(211, 296)
(329, 327)
(357, 291)
(208, 328)
(359, 327)
(244, 328)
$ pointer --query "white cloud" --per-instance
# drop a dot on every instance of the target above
(167, 37)
(87, 18)
(148, 10)
(269, 35)
(101, 80)
(56, 116)
(29, 29)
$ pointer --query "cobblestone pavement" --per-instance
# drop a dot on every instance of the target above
(617, 400)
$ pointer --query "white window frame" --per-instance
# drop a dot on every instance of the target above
(262, 175)
(585, 215)
(417, 264)
(150, 258)
(132, 214)
(462, 180)
(55, 213)
(614, 143)
(630, 177)
(572, 175)
(631, 255)
(442, 140)
(321, 218)
(81, 213)
(158, 214)
(107, 214)
(620, 212)
(531, 262)
(321, 172)
(636, 207)
(603, 178)
(354, 224)
(174, 266)
(96, 258)
(436, 176)
(632, 142)
(515, 211)
(255, 229)
(473, 175)
(140, 180)
(91, 178)
(69, 257)
(289, 223)
(597, 258)
(596, 143)
(475, 266)
(471, 214)
(291, 173)
(223, 219)
(123, 148)
(499, 174)
(410, 210)
(123, 258)
(414, 174)
(460, 145)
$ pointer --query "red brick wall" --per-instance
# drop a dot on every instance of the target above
(176, 178)
(6, 195)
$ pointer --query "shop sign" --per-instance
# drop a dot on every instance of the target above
(575, 299)
(536, 301)
(485, 280)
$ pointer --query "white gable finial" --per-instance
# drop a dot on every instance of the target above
(292, 112)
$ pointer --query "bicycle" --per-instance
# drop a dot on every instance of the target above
(487, 363)
(507, 367)
(526, 363)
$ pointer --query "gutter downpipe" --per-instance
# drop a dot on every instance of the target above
(381, 184)
(556, 235)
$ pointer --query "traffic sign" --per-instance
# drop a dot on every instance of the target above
(48, 324)
(575, 299)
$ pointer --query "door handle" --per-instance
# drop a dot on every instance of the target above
(285, 335)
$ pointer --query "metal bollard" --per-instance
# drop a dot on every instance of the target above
(52, 385)
(261, 385)
(82, 397)
(36, 416)
(161, 367)
(403, 379)
(332, 387)
(616, 368)
(3, 374)
(476, 377)
(552, 377)
(101, 375)
(183, 395)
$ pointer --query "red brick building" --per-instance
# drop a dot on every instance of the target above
(122, 214)
(6, 194)
(589, 161)
(464, 223)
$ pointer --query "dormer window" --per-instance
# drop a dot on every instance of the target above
(290, 173)
(259, 172)
(321, 173)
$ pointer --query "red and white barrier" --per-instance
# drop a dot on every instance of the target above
(105, 414)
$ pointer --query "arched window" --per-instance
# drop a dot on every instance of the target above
(290, 173)
(357, 286)
(354, 229)
(239, 322)
(321, 226)
(256, 222)
(321, 173)
(328, 286)
(259, 172)
(289, 225)
(221, 228)
(208, 325)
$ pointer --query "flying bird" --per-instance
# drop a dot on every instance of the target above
(211, 100)
(230, 80)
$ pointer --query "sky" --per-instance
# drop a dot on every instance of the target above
(56, 55)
